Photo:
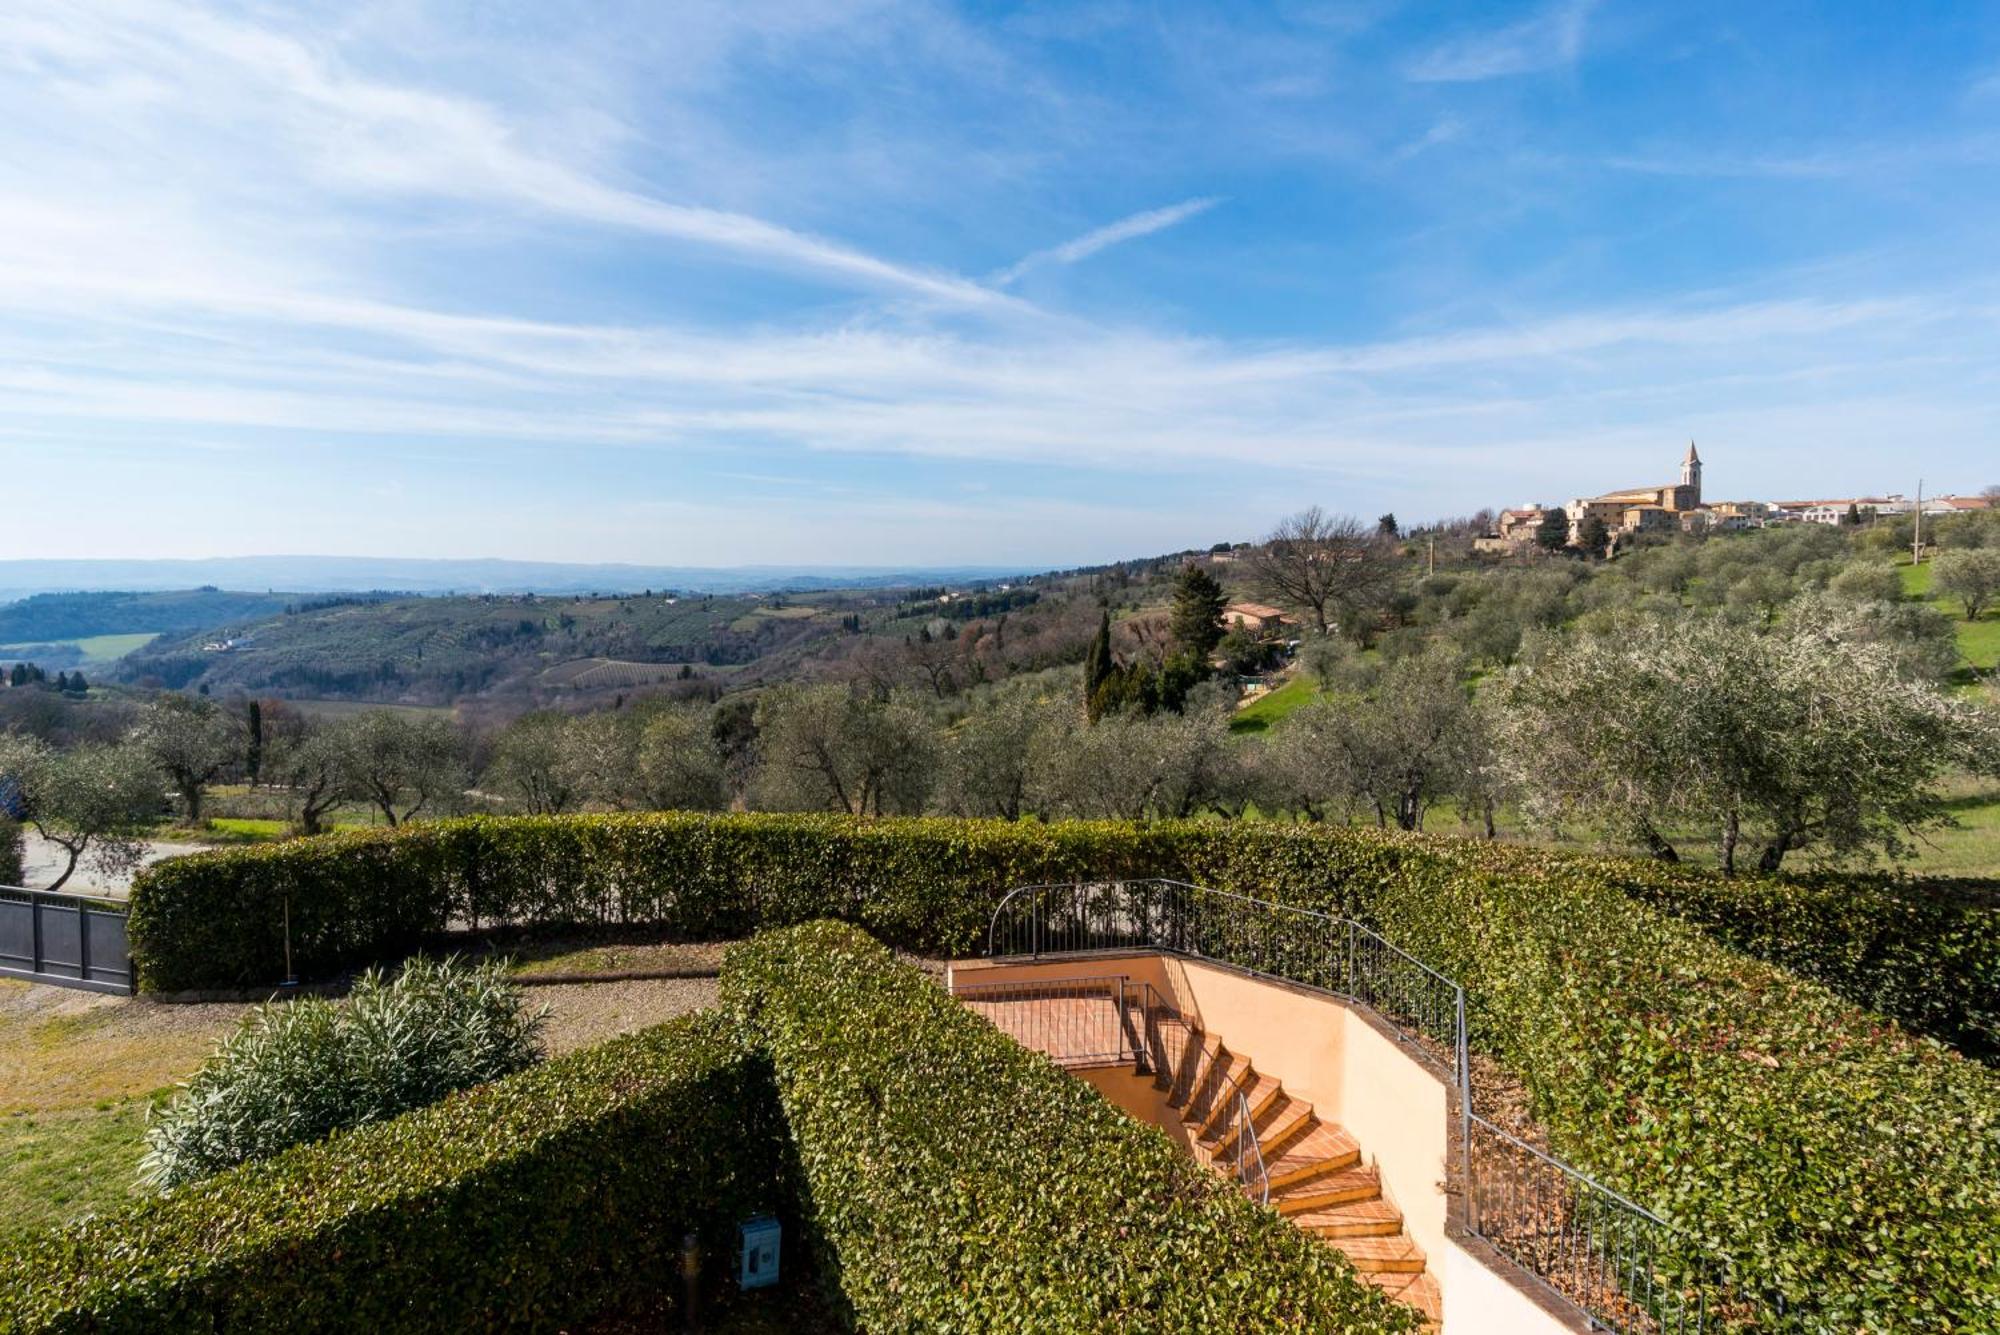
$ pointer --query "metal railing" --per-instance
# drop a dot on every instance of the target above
(68, 940)
(1622, 1265)
(1113, 1020)
(1076, 1021)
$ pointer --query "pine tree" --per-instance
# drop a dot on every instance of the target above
(1552, 534)
(1197, 617)
(1386, 526)
(77, 685)
(1592, 536)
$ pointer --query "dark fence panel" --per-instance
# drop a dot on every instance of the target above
(67, 940)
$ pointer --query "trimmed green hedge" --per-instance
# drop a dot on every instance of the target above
(538, 1200)
(1842, 1164)
(957, 1181)
(1925, 952)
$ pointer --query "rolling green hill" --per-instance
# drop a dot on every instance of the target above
(437, 650)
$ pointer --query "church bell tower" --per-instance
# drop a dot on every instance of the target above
(1691, 479)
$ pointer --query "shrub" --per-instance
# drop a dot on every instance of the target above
(1840, 1163)
(538, 1200)
(958, 1181)
(1924, 952)
(296, 1071)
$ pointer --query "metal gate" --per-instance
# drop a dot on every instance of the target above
(67, 940)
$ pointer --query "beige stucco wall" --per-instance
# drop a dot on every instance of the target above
(1353, 1075)
(1479, 1302)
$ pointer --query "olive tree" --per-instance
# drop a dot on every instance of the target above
(678, 765)
(1972, 576)
(1394, 743)
(1799, 736)
(541, 761)
(312, 767)
(191, 742)
(826, 748)
(987, 761)
(402, 766)
(1134, 767)
(94, 801)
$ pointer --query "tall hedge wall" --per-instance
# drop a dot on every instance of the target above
(1844, 1166)
(527, 1204)
(957, 1181)
(1928, 955)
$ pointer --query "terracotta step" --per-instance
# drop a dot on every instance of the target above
(1356, 1183)
(1376, 1256)
(1373, 1218)
(1257, 1090)
(1197, 1066)
(1217, 1087)
(1285, 1120)
(1419, 1291)
(1322, 1151)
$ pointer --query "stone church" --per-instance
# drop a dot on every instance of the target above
(1637, 509)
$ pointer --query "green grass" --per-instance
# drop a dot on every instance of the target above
(1978, 641)
(94, 648)
(1267, 711)
(59, 1166)
(244, 830)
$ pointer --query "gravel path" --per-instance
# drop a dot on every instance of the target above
(582, 1014)
(61, 1048)
(43, 861)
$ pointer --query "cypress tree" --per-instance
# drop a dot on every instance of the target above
(1097, 666)
(253, 754)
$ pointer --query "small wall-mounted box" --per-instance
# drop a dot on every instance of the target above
(758, 1251)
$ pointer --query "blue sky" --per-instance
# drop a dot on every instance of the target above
(888, 281)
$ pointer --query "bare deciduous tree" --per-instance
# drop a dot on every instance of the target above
(1333, 568)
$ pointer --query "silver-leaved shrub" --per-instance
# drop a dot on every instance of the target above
(297, 1071)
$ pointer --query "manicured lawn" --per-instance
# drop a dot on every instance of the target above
(59, 1166)
(1267, 711)
(77, 1072)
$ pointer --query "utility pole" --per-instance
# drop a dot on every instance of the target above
(1434, 554)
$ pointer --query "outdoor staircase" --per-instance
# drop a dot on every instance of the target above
(1317, 1178)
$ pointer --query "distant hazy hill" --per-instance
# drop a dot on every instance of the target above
(355, 574)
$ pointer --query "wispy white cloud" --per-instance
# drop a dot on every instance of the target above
(361, 133)
(1111, 234)
(1552, 39)
(1444, 131)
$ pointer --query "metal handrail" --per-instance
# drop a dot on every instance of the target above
(1622, 1292)
(1059, 1033)
(1238, 1133)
